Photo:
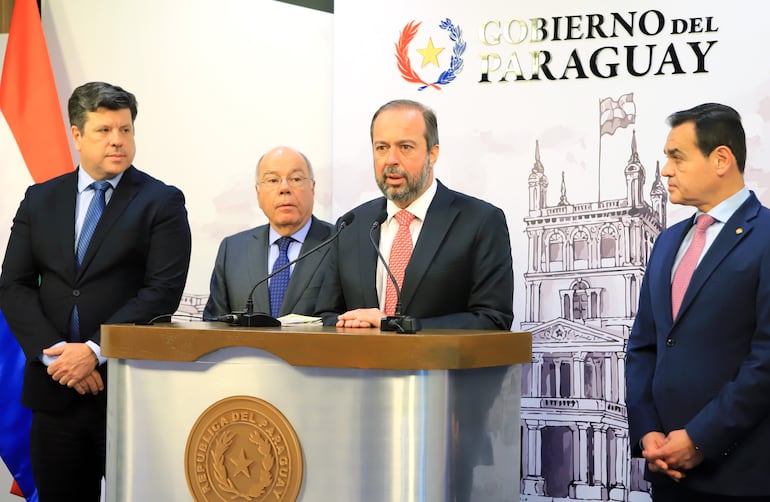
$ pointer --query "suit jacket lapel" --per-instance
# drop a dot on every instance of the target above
(728, 238)
(661, 275)
(126, 190)
(63, 217)
(306, 268)
(367, 255)
(438, 221)
(258, 252)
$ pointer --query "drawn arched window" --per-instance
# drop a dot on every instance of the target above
(580, 249)
(591, 446)
(607, 248)
(593, 383)
(548, 379)
(526, 381)
(580, 300)
(565, 379)
(588, 379)
(566, 308)
(556, 253)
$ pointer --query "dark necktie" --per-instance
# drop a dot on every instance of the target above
(94, 212)
(689, 261)
(280, 281)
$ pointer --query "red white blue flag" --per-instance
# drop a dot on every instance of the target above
(31, 129)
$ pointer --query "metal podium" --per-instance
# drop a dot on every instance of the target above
(201, 411)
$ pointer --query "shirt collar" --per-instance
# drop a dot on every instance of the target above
(725, 209)
(299, 236)
(84, 180)
(418, 207)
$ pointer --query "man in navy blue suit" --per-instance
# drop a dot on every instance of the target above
(132, 269)
(698, 362)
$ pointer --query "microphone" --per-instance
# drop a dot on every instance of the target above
(168, 318)
(258, 319)
(398, 322)
(157, 318)
(228, 318)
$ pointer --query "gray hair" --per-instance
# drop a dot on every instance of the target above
(304, 157)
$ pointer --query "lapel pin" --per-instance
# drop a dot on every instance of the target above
(738, 231)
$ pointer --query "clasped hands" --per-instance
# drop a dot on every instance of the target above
(671, 454)
(75, 366)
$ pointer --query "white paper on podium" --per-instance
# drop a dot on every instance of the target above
(295, 319)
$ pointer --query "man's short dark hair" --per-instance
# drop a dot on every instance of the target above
(431, 123)
(93, 95)
(715, 125)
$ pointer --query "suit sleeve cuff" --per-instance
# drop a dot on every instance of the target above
(48, 360)
(97, 351)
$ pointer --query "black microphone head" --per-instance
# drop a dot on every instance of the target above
(347, 219)
(381, 218)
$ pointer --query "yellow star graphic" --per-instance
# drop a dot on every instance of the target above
(430, 54)
(242, 464)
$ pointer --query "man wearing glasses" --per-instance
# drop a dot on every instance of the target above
(285, 191)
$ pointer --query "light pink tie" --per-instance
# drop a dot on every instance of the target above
(400, 253)
(689, 261)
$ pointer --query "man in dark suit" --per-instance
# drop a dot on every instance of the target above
(698, 359)
(458, 269)
(133, 269)
(285, 188)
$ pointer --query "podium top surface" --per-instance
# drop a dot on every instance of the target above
(319, 346)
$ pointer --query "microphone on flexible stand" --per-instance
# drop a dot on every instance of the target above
(259, 319)
(400, 323)
(228, 318)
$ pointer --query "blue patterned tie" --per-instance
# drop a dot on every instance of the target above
(93, 214)
(280, 281)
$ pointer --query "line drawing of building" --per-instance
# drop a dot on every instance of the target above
(585, 263)
(191, 307)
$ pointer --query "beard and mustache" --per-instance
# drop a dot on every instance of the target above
(411, 190)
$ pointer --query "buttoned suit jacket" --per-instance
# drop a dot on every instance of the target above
(134, 270)
(708, 370)
(460, 274)
(241, 262)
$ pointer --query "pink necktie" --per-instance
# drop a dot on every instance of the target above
(689, 261)
(400, 253)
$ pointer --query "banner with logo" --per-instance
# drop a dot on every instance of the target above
(555, 112)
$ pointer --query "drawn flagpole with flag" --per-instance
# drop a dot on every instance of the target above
(31, 123)
(614, 114)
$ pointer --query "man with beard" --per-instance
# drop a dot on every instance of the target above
(449, 252)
